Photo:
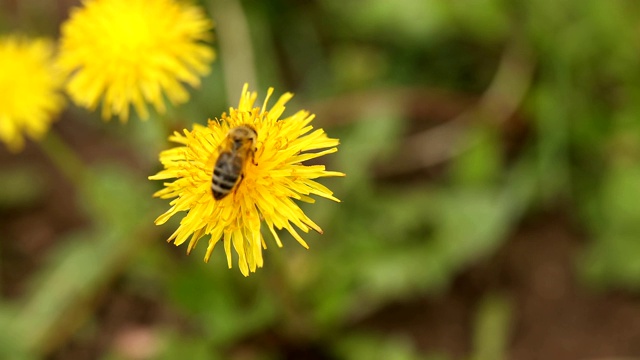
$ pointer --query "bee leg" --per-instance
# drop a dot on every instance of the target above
(235, 190)
(253, 158)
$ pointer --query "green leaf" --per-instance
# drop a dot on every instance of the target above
(492, 328)
(20, 186)
(371, 346)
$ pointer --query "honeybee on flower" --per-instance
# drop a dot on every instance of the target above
(259, 159)
(234, 153)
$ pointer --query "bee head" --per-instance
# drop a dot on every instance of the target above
(242, 135)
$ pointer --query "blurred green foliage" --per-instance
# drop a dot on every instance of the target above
(392, 238)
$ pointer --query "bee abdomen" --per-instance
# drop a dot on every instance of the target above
(224, 178)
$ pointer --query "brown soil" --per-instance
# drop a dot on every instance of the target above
(555, 316)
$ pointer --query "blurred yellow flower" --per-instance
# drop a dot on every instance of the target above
(29, 89)
(133, 52)
(272, 179)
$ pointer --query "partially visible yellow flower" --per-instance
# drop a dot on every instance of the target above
(29, 89)
(134, 52)
(272, 181)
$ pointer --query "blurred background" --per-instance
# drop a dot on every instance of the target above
(490, 209)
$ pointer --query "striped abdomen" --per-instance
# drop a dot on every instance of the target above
(226, 173)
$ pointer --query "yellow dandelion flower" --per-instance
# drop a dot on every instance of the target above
(272, 178)
(30, 87)
(133, 52)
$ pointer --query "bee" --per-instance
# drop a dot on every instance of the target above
(234, 153)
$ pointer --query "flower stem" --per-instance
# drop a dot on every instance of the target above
(236, 49)
(64, 158)
(296, 325)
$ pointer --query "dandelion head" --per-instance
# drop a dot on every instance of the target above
(30, 87)
(126, 53)
(273, 178)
